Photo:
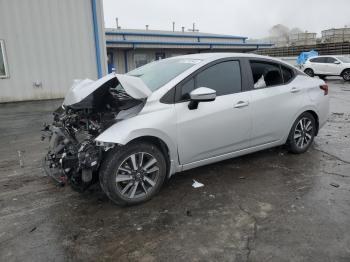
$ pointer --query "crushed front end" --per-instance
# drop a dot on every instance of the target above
(73, 156)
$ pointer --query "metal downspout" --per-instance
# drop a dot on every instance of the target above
(96, 37)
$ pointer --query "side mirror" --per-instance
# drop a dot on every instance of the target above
(336, 62)
(201, 94)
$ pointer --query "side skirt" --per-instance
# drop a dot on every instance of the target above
(231, 155)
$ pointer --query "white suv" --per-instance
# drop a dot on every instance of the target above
(323, 66)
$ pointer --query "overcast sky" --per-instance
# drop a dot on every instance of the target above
(252, 18)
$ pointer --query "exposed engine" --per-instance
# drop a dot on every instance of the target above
(73, 156)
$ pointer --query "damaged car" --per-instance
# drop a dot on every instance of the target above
(131, 132)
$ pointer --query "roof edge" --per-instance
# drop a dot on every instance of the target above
(175, 35)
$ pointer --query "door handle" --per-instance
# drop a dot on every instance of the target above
(241, 104)
(294, 90)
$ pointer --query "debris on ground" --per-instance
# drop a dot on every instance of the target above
(242, 177)
(211, 196)
(335, 184)
(32, 230)
(188, 213)
(196, 184)
(20, 158)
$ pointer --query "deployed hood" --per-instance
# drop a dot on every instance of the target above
(132, 85)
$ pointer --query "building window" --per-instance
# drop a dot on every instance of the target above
(140, 60)
(3, 65)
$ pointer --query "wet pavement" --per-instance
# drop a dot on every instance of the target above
(267, 206)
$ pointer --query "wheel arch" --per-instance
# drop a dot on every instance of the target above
(308, 68)
(307, 110)
(163, 147)
(348, 68)
(317, 121)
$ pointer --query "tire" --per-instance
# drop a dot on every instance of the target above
(309, 72)
(346, 74)
(302, 134)
(133, 174)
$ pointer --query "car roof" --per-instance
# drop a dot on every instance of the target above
(324, 56)
(213, 56)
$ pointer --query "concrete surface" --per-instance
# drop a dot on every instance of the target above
(267, 206)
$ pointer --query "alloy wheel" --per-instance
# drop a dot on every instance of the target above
(346, 75)
(309, 72)
(137, 175)
(303, 132)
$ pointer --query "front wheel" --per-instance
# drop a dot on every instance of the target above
(309, 72)
(302, 133)
(346, 75)
(133, 173)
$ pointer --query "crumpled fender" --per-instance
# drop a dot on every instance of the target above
(159, 124)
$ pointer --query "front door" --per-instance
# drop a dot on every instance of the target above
(218, 127)
(333, 66)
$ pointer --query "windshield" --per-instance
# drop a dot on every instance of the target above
(158, 73)
(344, 59)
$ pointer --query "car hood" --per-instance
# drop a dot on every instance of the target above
(80, 89)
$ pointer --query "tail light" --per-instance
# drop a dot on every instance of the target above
(325, 89)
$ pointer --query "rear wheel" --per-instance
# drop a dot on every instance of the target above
(302, 133)
(309, 72)
(133, 174)
(346, 75)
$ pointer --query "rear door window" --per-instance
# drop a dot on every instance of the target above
(266, 74)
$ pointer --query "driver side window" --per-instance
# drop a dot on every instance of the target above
(224, 78)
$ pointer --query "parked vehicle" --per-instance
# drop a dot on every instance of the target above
(323, 66)
(132, 132)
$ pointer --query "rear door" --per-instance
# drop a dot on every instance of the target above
(217, 127)
(274, 104)
(319, 65)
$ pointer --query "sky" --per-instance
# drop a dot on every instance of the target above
(251, 18)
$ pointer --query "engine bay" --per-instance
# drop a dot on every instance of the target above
(73, 156)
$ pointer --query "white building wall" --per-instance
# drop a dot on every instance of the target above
(49, 43)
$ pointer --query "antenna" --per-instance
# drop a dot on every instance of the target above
(117, 23)
(193, 28)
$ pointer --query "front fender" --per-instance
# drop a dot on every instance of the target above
(160, 123)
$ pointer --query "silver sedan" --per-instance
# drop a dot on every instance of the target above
(183, 112)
